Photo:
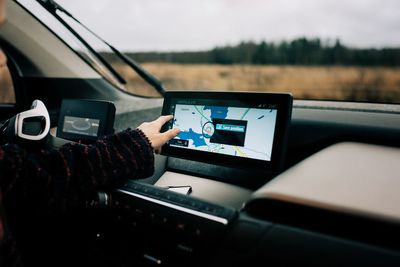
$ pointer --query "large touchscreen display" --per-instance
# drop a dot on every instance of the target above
(231, 130)
(236, 129)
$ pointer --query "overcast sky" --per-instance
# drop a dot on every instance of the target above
(173, 25)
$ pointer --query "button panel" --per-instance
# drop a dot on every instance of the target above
(184, 203)
(172, 228)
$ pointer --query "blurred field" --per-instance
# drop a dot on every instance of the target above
(372, 84)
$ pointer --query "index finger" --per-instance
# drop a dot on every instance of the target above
(163, 119)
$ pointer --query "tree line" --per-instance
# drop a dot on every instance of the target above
(300, 51)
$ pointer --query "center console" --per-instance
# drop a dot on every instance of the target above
(228, 142)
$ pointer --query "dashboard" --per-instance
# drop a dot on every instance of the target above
(337, 205)
(204, 207)
(323, 209)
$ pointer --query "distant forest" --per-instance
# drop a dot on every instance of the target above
(300, 51)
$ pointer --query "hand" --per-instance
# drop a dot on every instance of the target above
(152, 131)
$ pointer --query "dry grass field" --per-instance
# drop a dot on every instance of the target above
(372, 84)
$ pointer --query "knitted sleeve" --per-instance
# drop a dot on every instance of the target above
(57, 179)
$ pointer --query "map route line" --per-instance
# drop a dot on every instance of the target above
(201, 114)
(201, 122)
(245, 113)
(259, 152)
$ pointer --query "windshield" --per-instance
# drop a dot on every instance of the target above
(70, 39)
(331, 50)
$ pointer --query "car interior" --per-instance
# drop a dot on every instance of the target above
(325, 193)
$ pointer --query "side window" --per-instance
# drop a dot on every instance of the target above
(7, 94)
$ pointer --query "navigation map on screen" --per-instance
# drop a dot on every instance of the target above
(237, 131)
